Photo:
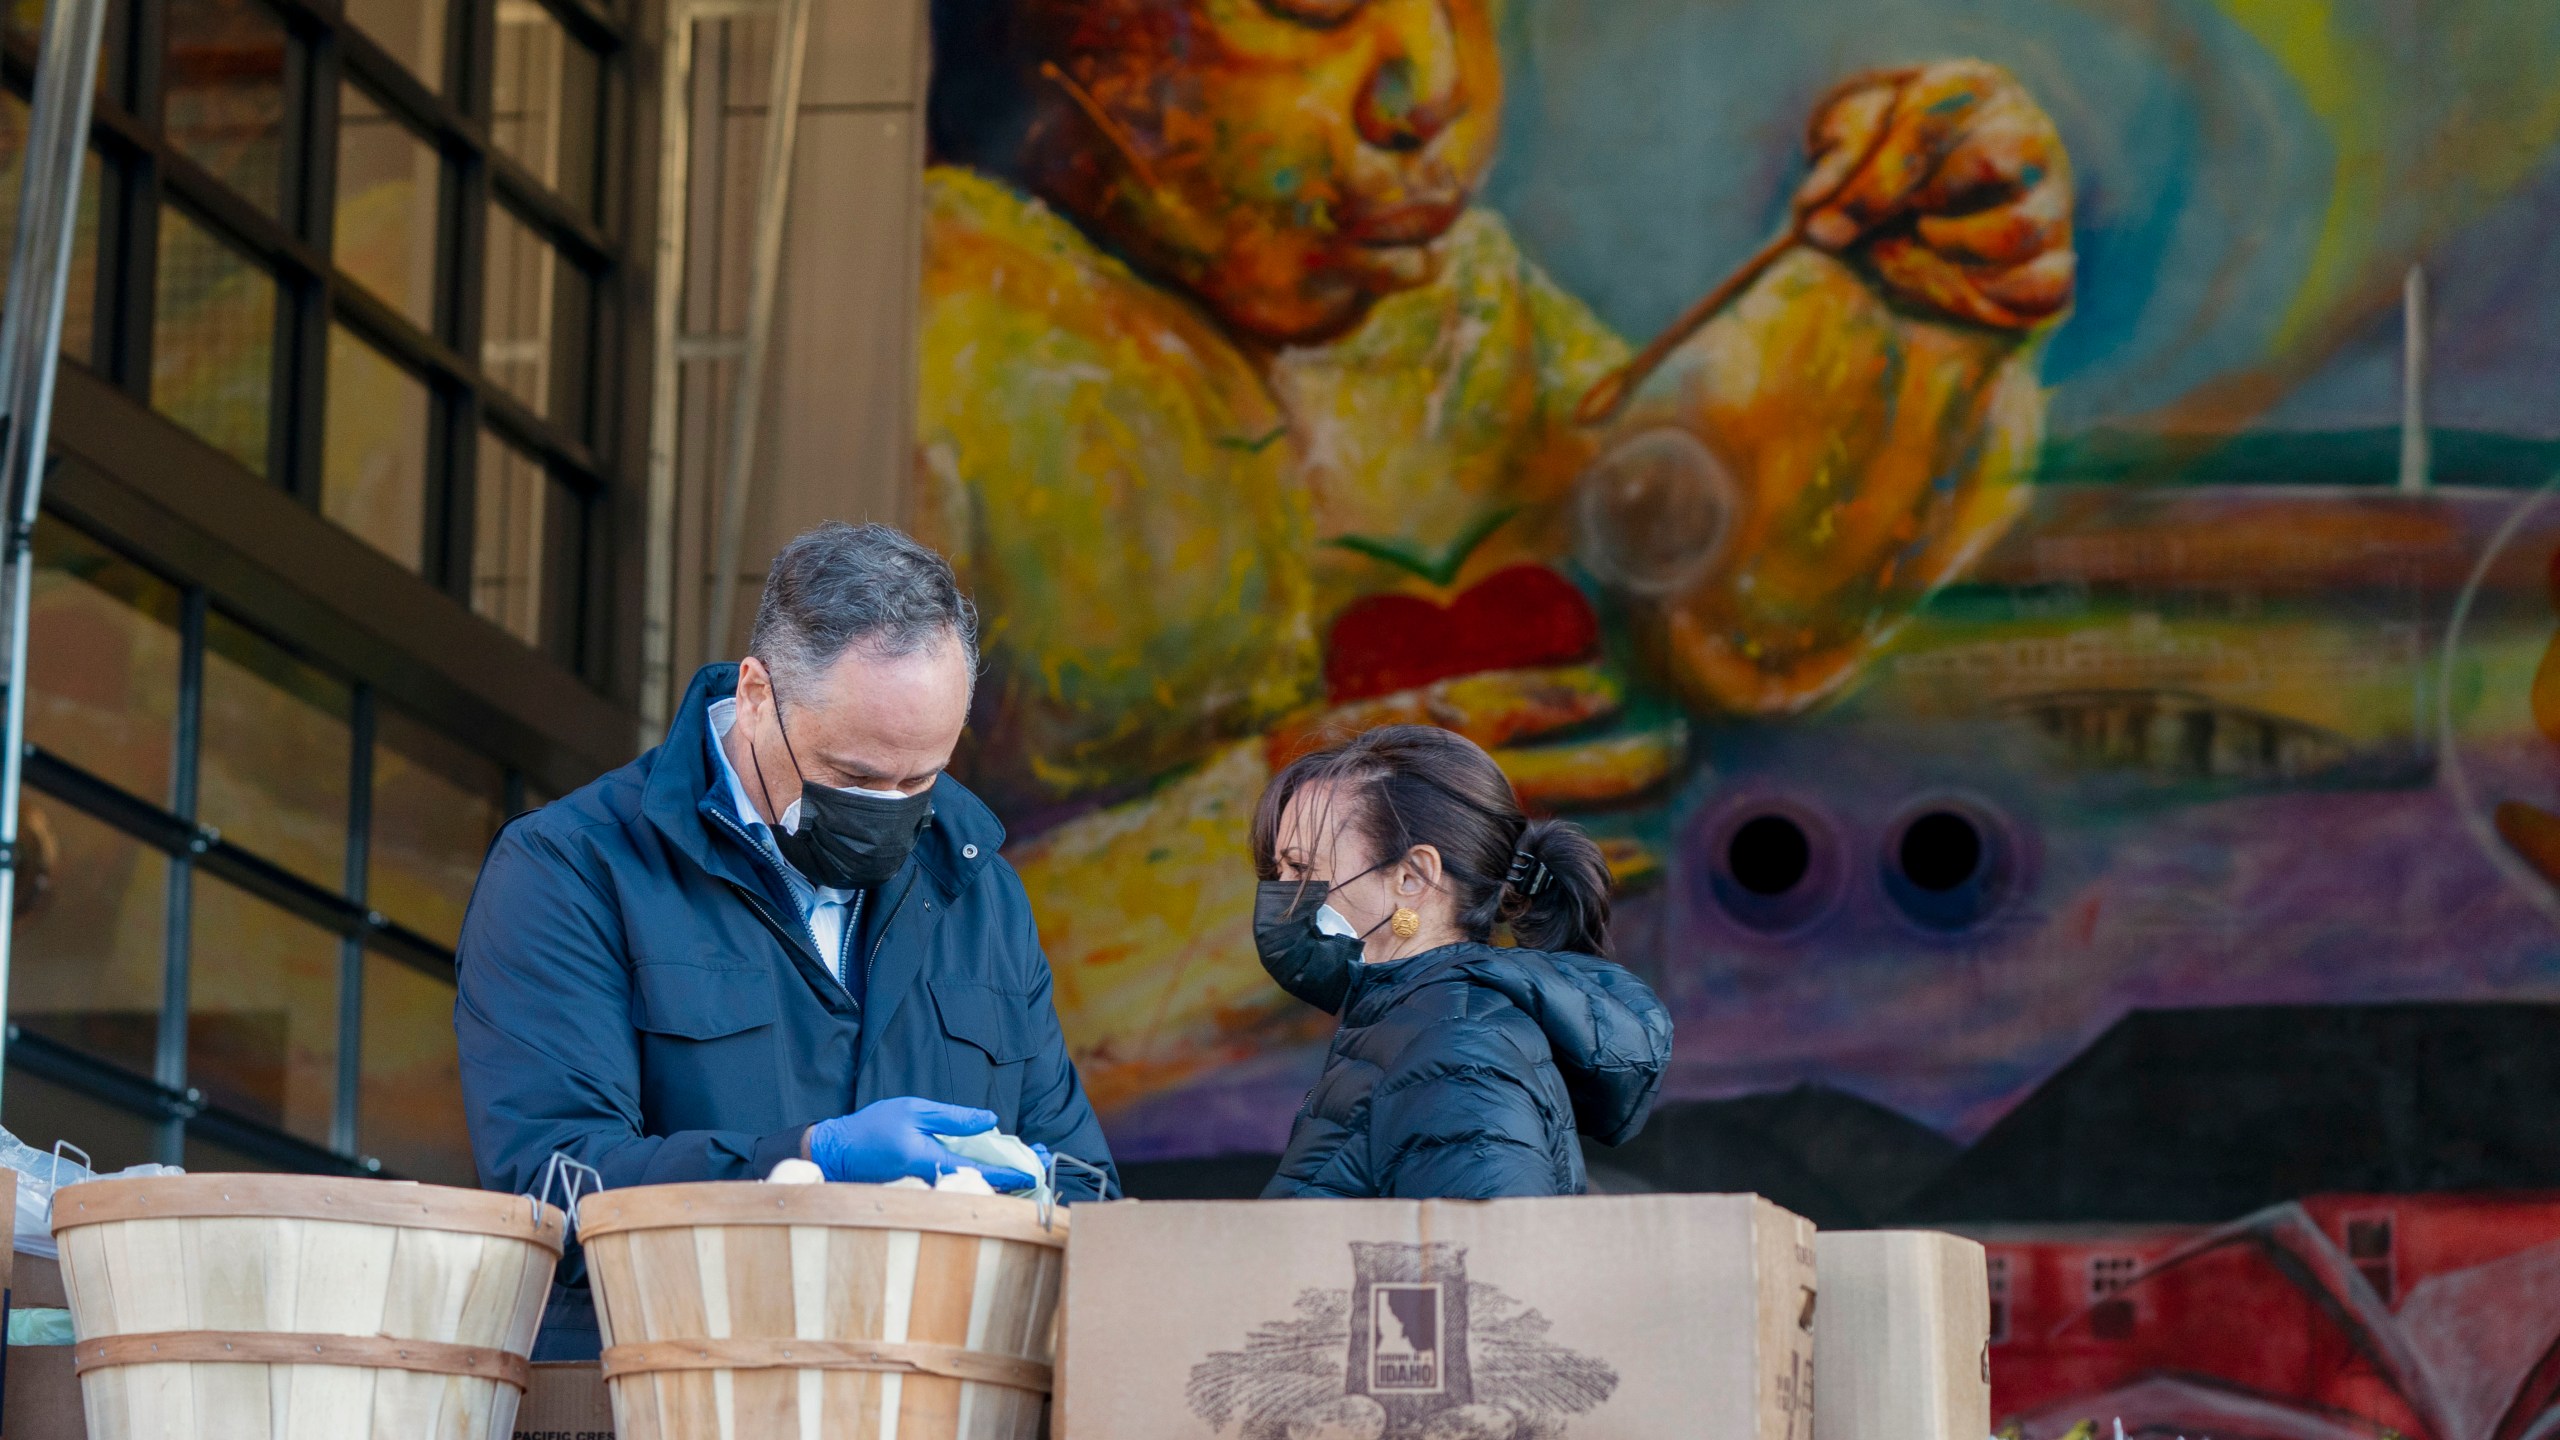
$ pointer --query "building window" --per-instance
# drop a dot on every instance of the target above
(2370, 1248)
(2109, 1274)
(213, 336)
(384, 230)
(224, 78)
(2110, 1308)
(543, 113)
(411, 31)
(508, 561)
(373, 456)
(235, 949)
(80, 302)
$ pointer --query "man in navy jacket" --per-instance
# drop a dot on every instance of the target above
(783, 933)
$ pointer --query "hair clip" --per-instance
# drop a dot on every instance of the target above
(1528, 873)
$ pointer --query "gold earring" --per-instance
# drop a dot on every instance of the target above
(1405, 924)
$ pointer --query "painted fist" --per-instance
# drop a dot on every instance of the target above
(1950, 182)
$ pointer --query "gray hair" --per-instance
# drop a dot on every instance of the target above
(842, 585)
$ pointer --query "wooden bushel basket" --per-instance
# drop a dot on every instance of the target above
(295, 1305)
(740, 1311)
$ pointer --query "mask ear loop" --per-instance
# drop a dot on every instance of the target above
(1363, 936)
(785, 732)
(758, 761)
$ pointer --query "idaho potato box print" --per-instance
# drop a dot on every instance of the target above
(1670, 1315)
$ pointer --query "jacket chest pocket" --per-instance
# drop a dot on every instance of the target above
(700, 1002)
(707, 1047)
(994, 1036)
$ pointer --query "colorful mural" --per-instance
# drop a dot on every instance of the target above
(2343, 1317)
(2006, 595)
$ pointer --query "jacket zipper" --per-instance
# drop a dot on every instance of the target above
(807, 930)
(872, 960)
(853, 913)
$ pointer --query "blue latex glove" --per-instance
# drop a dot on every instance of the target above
(890, 1139)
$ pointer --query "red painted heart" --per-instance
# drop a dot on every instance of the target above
(1524, 616)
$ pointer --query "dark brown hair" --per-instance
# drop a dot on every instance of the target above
(1409, 785)
(844, 585)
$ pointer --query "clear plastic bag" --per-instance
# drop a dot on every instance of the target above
(40, 1174)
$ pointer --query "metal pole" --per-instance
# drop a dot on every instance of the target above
(30, 351)
(2416, 460)
(764, 278)
(675, 135)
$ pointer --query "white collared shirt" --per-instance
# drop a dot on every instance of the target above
(830, 913)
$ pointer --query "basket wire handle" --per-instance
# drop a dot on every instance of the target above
(569, 1175)
(84, 1163)
(1048, 1196)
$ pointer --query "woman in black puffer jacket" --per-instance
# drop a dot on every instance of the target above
(1461, 1069)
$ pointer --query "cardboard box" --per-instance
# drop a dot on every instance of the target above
(1902, 1338)
(1629, 1316)
(35, 1283)
(39, 1396)
(42, 1401)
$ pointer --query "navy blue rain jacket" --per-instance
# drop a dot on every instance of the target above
(1466, 1072)
(638, 991)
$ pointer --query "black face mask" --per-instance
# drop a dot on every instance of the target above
(1306, 962)
(846, 842)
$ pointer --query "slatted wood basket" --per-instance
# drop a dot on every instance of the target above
(738, 1311)
(295, 1305)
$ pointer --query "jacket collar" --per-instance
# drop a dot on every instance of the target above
(962, 840)
(1375, 989)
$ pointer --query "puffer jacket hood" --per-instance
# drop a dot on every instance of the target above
(1610, 1035)
(1465, 1073)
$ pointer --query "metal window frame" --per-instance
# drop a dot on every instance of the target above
(177, 943)
(203, 846)
(346, 1118)
(181, 1112)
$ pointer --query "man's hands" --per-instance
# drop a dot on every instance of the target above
(891, 1139)
(1953, 184)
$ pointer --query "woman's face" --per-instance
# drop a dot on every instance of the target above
(1288, 162)
(1317, 844)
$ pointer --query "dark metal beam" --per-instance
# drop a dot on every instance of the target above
(203, 847)
(52, 1060)
(344, 1124)
(177, 963)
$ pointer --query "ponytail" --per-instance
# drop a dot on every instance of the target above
(1557, 894)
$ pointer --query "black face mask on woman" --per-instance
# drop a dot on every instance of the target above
(846, 839)
(1305, 944)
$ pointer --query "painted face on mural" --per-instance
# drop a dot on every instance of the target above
(1288, 162)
